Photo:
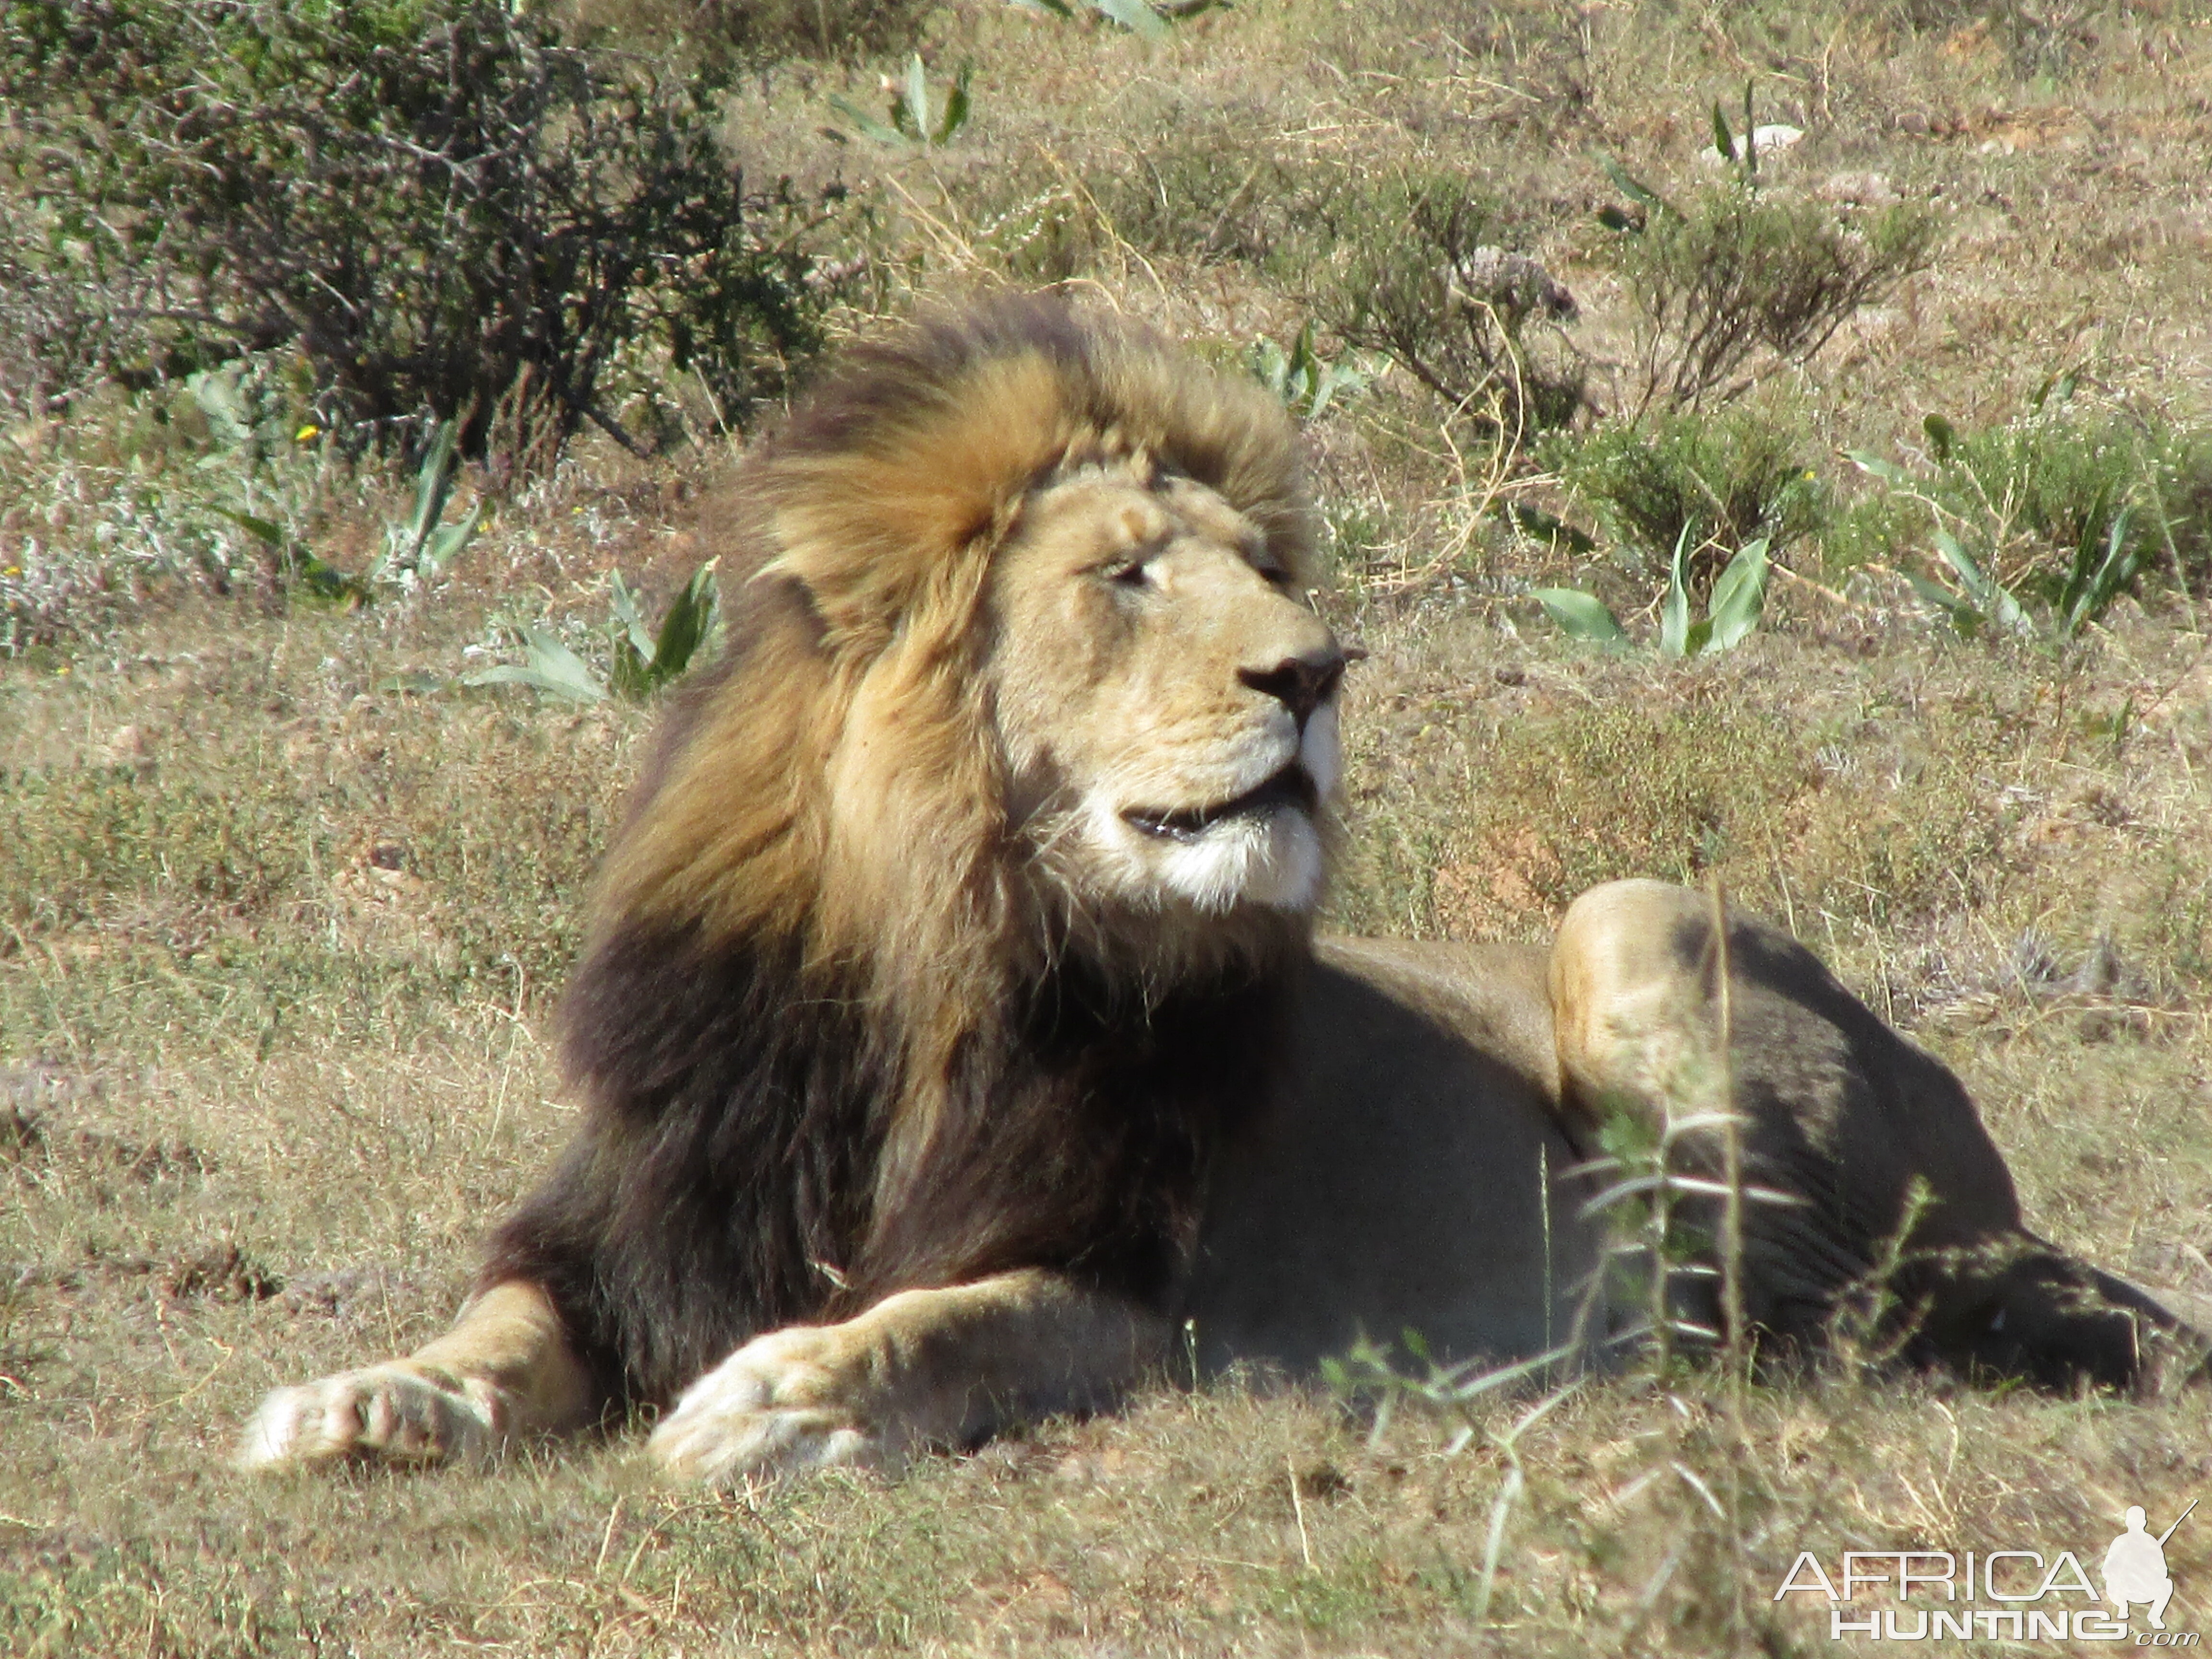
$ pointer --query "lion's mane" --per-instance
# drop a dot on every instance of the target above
(833, 1036)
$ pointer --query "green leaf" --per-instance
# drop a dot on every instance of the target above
(2059, 386)
(1135, 17)
(1724, 141)
(912, 104)
(1739, 595)
(628, 618)
(1888, 471)
(1674, 612)
(1635, 189)
(1581, 616)
(1942, 438)
(956, 105)
(2119, 567)
(447, 544)
(433, 482)
(689, 620)
(548, 667)
(1963, 618)
(1533, 521)
(867, 124)
(260, 529)
(1983, 594)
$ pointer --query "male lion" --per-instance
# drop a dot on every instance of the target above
(951, 1027)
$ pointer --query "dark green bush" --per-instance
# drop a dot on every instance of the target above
(731, 33)
(1724, 478)
(2068, 505)
(437, 202)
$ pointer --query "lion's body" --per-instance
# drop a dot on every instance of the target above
(950, 1027)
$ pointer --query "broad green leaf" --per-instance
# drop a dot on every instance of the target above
(867, 124)
(548, 667)
(1674, 611)
(1724, 141)
(1739, 595)
(1135, 17)
(261, 530)
(1888, 471)
(433, 482)
(1581, 616)
(956, 106)
(1963, 618)
(2111, 578)
(914, 101)
(447, 544)
(1983, 594)
(628, 618)
(1637, 190)
(690, 618)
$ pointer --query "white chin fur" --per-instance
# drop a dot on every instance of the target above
(1320, 751)
(1274, 861)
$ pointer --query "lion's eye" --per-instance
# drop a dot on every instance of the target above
(1125, 573)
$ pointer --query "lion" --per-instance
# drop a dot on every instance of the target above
(954, 1038)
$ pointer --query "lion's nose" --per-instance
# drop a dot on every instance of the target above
(1300, 684)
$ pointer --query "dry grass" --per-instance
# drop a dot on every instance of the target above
(276, 943)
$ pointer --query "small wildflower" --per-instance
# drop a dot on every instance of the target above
(12, 570)
(307, 433)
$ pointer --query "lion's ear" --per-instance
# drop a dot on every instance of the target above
(899, 519)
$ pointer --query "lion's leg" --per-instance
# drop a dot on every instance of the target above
(1889, 1170)
(936, 1367)
(504, 1371)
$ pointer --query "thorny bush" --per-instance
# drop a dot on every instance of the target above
(439, 204)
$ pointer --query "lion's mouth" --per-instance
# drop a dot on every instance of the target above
(1292, 786)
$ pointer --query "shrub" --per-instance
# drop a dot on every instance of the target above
(1720, 480)
(1426, 272)
(728, 34)
(1741, 279)
(438, 203)
(2067, 506)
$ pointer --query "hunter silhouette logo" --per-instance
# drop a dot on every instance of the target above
(2135, 1567)
(2020, 1596)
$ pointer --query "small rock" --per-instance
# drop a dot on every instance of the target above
(1860, 190)
(1511, 281)
(128, 745)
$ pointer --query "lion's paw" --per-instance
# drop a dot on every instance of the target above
(783, 1402)
(388, 1412)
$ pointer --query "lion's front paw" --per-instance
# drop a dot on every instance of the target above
(389, 1412)
(785, 1401)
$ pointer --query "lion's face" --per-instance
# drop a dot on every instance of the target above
(1167, 702)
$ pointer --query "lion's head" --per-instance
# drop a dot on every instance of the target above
(1025, 662)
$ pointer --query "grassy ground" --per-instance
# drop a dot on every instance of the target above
(277, 939)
